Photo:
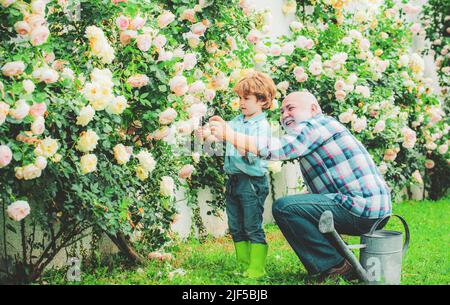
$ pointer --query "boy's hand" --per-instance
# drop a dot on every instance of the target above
(219, 127)
(198, 133)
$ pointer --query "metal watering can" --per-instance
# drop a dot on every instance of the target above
(381, 251)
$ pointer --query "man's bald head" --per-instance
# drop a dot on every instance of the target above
(298, 106)
(304, 99)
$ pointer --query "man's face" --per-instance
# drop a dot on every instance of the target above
(293, 112)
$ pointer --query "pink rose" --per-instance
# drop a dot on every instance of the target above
(22, 27)
(379, 126)
(186, 171)
(340, 95)
(339, 85)
(275, 50)
(287, 49)
(160, 41)
(209, 94)
(20, 110)
(13, 68)
(137, 23)
(38, 126)
(161, 133)
(315, 67)
(122, 22)
(254, 36)
(197, 87)
(144, 42)
(193, 39)
(390, 155)
(198, 28)
(347, 117)
(359, 124)
(409, 137)
(4, 110)
(197, 110)
(5, 155)
(415, 28)
(39, 35)
(126, 36)
(189, 61)
(46, 75)
(38, 109)
(167, 116)
(165, 19)
(165, 55)
(35, 20)
(18, 210)
(179, 85)
(411, 9)
(138, 80)
(188, 14)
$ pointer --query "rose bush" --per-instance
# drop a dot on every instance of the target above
(93, 109)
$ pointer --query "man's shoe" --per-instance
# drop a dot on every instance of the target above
(344, 270)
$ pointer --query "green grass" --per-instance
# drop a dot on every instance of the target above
(212, 262)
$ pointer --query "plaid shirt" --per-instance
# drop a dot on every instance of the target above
(333, 163)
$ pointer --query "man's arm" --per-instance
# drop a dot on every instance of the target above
(287, 147)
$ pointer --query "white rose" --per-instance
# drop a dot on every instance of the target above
(31, 171)
(122, 153)
(117, 105)
(46, 147)
(85, 116)
(146, 160)
(167, 186)
(87, 141)
(88, 163)
(40, 162)
(5, 155)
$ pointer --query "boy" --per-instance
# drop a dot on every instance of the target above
(247, 186)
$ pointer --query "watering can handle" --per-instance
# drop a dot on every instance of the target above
(405, 225)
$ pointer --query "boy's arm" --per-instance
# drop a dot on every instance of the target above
(262, 129)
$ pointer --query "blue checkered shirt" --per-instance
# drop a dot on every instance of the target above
(333, 163)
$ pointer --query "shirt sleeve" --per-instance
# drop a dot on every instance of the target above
(301, 142)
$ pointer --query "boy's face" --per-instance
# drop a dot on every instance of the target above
(250, 105)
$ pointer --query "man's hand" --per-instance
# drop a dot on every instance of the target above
(219, 128)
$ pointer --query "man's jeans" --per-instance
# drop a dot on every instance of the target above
(245, 196)
(298, 218)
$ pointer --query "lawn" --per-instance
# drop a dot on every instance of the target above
(212, 261)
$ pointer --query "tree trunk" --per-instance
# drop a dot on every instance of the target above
(126, 248)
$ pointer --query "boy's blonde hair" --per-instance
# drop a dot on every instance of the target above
(258, 84)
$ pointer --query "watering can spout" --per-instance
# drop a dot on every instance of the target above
(326, 226)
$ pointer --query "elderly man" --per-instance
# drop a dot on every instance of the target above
(338, 171)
